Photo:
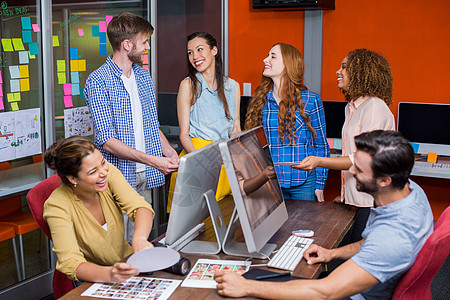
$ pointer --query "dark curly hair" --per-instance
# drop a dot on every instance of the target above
(291, 87)
(369, 74)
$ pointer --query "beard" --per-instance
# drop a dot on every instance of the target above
(367, 187)
(134, 56)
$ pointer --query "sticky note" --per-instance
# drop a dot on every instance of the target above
(16, 96)
(73, 53)
(81, 92)
(61, 77)
(145, 59)
(68, 101)
(10, 97)
(95, 30)
(432, 157)
(23, 57)
(145, 67)
(1, 80)
(14, 72)
(24, 84)
(108, 19)
(14, 106)
(415, 147)
(337, 144)
(102, 49)
(81, 65)
(36, 28)
(102, 26)
(67, 89)
(26, 22)
(74, 65)
(7, 45)
(32, 56)
(102, 37)
(74, 78)
(1, 104)
(23, 69)
(80, 32)
(330, 143)
(75, 89)
(55, 41)
(1, 90)
(18, 44)
(26, 36)
(15, 85)
(60, 65)
(33, 47)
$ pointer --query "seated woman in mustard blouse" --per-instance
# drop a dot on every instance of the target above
(85, 214)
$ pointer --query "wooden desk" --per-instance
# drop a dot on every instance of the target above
(330, 222)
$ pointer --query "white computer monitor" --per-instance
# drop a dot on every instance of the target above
(427, 125)
(262, 212)
(198, 175)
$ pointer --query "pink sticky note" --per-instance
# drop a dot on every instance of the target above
(145, 59)
(80, 31)
(102, 26)
(108, 19)
(330, 142)
(36, 27)
(68, 101)
(1, 104)
(1, 90)
(67, 89)
(145, 67)
(1, 80)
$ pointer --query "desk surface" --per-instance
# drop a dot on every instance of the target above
(329, 221)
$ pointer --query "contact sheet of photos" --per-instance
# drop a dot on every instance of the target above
(134, 288)
(202, 274)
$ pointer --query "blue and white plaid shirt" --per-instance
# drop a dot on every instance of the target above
(110, 106)
(305, 143)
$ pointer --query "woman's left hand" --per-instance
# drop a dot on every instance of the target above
(140, 243)
(319, 195)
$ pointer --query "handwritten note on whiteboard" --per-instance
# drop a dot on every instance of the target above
(78, 121)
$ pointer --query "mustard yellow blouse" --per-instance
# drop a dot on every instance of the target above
(78, 237)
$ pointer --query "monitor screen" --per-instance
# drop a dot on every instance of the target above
(259, 201)
(167, 109)
(334, 117)
(198, 172)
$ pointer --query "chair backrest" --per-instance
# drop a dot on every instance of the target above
(36, 198)
(415, 284)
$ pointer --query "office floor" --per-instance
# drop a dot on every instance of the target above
(35, 262)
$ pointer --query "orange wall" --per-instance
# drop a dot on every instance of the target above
(413, 35)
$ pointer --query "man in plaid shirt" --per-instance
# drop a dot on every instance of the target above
(121, 99)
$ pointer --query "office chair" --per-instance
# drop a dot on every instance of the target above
(415, 284)
(7, 232)
(36, 198)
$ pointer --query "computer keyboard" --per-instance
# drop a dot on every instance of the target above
(428, 165)
(290, 254)
(185, 239)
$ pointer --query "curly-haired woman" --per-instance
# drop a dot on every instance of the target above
(365, 78)
(293, 120)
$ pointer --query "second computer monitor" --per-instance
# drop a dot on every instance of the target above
(262, 211)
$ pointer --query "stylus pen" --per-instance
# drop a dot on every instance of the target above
(268, 276)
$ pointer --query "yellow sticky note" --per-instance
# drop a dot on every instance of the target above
(32, 56)
(61, 78)
(7, 45)
(61, 65)
(14, 106)
(24, 84)
(23, 70)
(432, 157)
(18, 44)
(55, 41)
(10, 97)
(17, 97)
(74, 65)
(82, 65)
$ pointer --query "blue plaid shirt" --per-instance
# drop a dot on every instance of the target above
(305, 143)
(110, 106)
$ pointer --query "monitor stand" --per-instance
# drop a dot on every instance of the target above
(231, 247)
(203, 247)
